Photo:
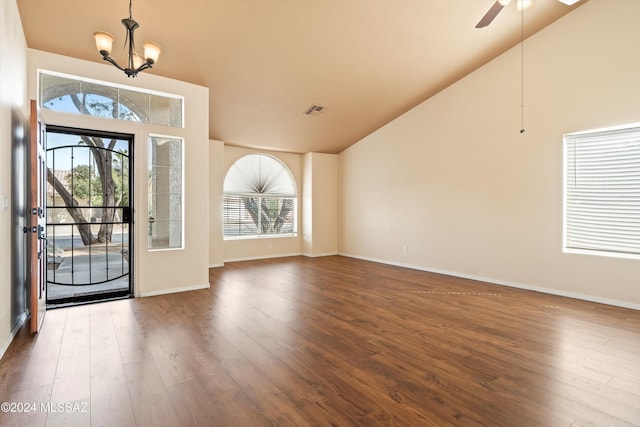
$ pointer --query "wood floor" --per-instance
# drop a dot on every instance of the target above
(330, 342)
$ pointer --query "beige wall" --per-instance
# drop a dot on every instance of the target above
(164, 271)
(452, 185)
(320, 205)
(13, 123)
(216, 179)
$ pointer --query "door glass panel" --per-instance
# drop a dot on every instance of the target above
(88, 216)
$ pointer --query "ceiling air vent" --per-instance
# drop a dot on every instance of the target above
(314, 109)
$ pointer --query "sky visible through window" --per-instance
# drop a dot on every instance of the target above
(80, 156)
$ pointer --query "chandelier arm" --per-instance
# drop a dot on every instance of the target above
(129, 71)
(144, 66)
(107, 58)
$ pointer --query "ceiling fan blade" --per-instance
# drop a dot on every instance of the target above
(490, 15)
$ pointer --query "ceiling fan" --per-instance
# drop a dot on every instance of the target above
(521, 5)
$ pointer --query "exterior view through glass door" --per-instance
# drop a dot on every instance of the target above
(89, 227)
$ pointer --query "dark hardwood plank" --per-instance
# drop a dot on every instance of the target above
(332, 341)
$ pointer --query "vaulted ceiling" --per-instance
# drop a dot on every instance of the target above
(267, 61)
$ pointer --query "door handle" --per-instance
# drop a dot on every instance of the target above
(126, 214)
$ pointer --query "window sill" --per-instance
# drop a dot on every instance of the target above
(261, 236)
(600, 253)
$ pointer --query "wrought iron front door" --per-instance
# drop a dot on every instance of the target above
(89, 227)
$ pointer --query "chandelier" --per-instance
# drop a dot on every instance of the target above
(135, 62)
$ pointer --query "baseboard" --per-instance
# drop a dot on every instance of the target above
(550, 291)
(13, 334)
(320, 255)
(216, 265)
(175, 290)
(261, 257)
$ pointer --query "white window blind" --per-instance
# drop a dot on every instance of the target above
(252, 216)
(602, 191)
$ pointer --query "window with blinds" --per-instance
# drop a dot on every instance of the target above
(602, 192)
(259, 198)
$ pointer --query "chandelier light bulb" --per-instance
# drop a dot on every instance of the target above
(151, 51)
(104, 41)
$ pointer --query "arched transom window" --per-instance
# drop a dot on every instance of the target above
(260, 198)
(70, 94)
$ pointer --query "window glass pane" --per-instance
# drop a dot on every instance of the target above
(175, 182)
(165, 193)
(168, 154)
(175, 113)
(161, 110)
(60, 94)
(237, 219)
(165, 111)
(100, 101)
(276, 215)
(134, 106)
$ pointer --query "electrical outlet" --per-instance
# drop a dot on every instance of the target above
(405, 249)
(5, 203)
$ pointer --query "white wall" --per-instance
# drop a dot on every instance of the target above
(13, 125)
(452, 185)
(156, 272)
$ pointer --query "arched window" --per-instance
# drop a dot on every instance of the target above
(260, 198)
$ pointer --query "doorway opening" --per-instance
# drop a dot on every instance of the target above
(89, 216)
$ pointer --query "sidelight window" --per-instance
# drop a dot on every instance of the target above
(165, 192)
